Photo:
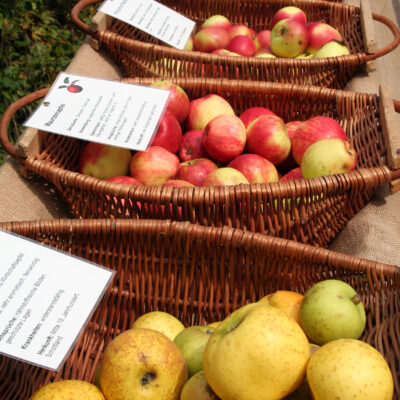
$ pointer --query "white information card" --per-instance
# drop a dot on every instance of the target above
(97, 110)
(153, 18)
(46, 299)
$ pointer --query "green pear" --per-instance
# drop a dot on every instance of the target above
(334, 48)
(349, 369)
(197, 388)
(328, 157)
(192, 341)
(331, 310)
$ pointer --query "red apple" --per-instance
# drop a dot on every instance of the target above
(311, 131)
(177, 183)
(289, 38)
(262, 39)
(242, 45)
(320, 34)
(295, 173)
(236, 30)
(103, 161)
(169, 133)
(289, 12)
(224, 138)
(126, 180)
(154, 166)
(290, 163)
(250, 114)
(218, 21)
(255, 168)
(191, 146)
(195, 171)
(210, 38)
(204, 109)
(225, 177)
(178, 102)
(267, 136)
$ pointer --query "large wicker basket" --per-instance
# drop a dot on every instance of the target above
(200, 275)
(140, 54)
(308, 210)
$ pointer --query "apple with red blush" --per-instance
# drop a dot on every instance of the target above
(210, 38)
(204, 109)
(290, 162)
(126, 180)
(267, 136)
(225, 177)
(255, 168)
(295, 173)
(169, 133)
(319, 34)
(289, 12)
(251, 113)
(224, 138)
(225, 52)
(178, 101)
(177, 183)
(195, 171)
(262, 39)
(191, 146)
(240, 30)
(312, 130)
(154, 166)
(217, 21)
(242, 45)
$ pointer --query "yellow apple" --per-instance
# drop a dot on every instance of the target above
(142, 364)
(257, 353)
(197, 388)
(287, 301)
(214, 324)
(160, 321)
(68, 389)
(349, 369)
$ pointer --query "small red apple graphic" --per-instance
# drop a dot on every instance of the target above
(71, 86)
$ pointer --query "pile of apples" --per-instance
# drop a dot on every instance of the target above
(285, 346)
(290, 35)
(203, 143)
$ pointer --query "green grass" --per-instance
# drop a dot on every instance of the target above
(38, 40)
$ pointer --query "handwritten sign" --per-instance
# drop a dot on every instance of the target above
(153, 18)
(97, 110)
(46, 299)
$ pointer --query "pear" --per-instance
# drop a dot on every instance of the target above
(197, 388)
(349, 369)
(334, 48)
(68, 389)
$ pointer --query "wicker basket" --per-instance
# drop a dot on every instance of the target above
(308, 210)
(200, 275)
(139, 54)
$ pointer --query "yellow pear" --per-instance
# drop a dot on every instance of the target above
(348, 369)
(160, 321)
(197, 388)
(214, 324)
(256, 353)
(67, 390)
(142, 364)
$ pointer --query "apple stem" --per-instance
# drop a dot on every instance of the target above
(356, 299)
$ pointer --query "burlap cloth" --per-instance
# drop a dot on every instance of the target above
(373, 233)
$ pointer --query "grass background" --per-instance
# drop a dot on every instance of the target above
(38, 40)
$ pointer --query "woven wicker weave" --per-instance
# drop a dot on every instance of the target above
(139, 54)
(200, 275)
(308, 210)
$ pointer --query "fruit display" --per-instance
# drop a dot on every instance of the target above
(266, 350)
(202, 142)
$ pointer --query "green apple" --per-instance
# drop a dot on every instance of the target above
(257, 353)
(142, 364)
(328, 157)
(160, 321)
(68, 389)
(334, 48)
(192, 341)
(330, 310)
(349, 369)
(197, 388)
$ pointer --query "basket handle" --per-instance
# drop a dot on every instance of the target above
(7, 116)
(396, 173)
(391, 46)
(76, 10)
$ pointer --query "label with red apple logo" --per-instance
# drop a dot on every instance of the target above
(71, 86)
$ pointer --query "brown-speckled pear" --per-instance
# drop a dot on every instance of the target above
(142, 364)
(197, 388)
(257, 353)
(67, 390)
(349, 369)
